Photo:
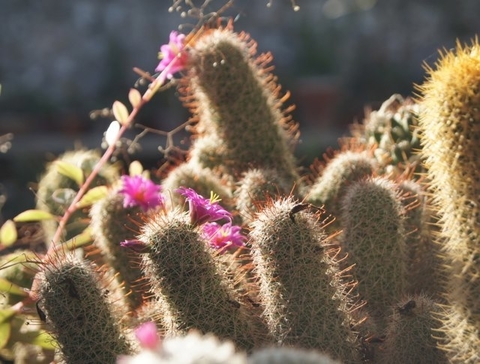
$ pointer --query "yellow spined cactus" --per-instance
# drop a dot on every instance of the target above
(450, 136)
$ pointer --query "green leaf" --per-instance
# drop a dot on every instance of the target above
(8, 233)
(5, 330)
(77, 241)
(71, 171)
(93, 195)
(120, 112)
(11, 288)
(134, 97)
(33, 215)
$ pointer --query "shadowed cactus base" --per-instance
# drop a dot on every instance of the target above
(411, 332)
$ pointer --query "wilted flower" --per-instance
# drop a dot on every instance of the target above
(225, 236)
(136, 245)
(173, 55)
(202, 209)
(140, 191)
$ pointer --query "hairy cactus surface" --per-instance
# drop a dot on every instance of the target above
(201, 179)
(300, 286)
(77, 309)
(374, 238)
(342, 170)
(112, 224)
(255, 189)
(410, 337)
(422, 252)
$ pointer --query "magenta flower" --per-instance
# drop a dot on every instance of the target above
(203, 210)
(147, 336)
(225, 236)
(173, 55)
(140, 191)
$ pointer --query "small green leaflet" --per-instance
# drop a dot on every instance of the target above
(11, 288)
(120, 112)
(5, 331)
(8, 233)
(33, 215)
(93, 195)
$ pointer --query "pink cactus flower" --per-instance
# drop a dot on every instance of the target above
(147, 336)
(202, 209)
(140, 191)
(150, 343)
(222, 237)
(173, 55)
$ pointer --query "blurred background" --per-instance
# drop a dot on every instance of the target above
(61, 60)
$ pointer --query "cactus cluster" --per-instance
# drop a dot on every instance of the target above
(366, 263)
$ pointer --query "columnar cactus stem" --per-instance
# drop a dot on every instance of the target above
(237, 103)
(423, 261)
(374, 238)
(112, 224)
(201, 179)
(306, 304)
(256, 188)
(78, 311)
